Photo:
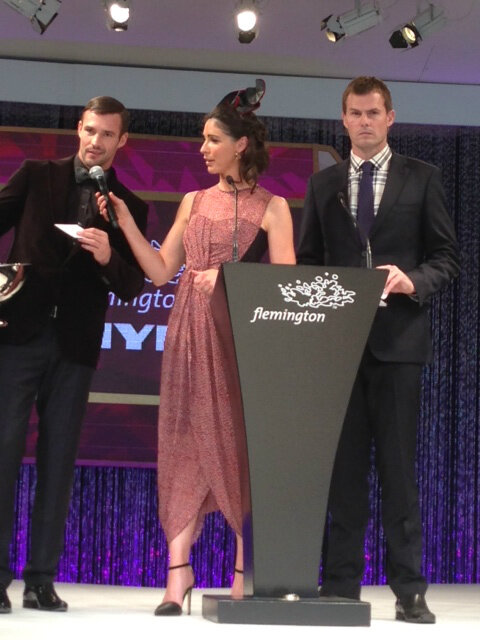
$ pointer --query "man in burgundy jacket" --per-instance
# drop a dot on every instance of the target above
(49, 350)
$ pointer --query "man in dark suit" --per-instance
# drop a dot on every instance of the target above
(382, 210)
(49, 350)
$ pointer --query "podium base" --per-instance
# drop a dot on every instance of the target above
(333, 612)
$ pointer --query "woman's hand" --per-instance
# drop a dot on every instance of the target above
(123, 213)
(204, 281)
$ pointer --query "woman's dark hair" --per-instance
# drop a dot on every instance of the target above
(254, 160)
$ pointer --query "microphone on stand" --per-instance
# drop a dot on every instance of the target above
(231, 182)
(98, 174)
(368, 248)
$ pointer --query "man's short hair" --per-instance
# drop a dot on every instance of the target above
(367, 84)
(104, 105)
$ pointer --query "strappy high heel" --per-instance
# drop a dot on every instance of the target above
(170, 608)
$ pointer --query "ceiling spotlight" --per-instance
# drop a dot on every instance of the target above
(118, 14)
(423, 25)
(333, 30)
(246, 17)
(40, 12)
(363, 17)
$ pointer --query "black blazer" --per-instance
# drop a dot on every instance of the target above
(61, 273)
(412, 230)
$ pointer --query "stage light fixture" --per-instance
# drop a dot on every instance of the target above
(41, 13)
(246, 17)
(423, 25)
(362, 17)
(118, 14)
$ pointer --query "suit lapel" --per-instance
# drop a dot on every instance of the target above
(338, 188)
(60, 178)
(397, 175)
(341, 181)
(340, 184)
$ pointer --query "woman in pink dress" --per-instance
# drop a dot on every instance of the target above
(198, 468)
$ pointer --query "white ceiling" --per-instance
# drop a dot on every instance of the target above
(200, 34)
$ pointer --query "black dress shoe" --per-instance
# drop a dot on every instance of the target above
(5, 604)
(43, 597)
(413, 608)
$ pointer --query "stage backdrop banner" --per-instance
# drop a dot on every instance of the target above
(120, 426)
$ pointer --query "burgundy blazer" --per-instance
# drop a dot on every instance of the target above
(62, 274)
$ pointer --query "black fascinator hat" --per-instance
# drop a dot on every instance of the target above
(245, 100)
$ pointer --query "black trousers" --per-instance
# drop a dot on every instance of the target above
(384, 409)
(37, 373)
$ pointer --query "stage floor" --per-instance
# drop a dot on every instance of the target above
(98, 611)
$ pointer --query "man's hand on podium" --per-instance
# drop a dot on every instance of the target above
(397, 281)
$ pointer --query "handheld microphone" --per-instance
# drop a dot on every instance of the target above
(231, 182)
(98, 174)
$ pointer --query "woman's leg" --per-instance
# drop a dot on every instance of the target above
(179, 580)
(237, 585)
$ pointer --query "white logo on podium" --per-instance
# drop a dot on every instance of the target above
(324, 291)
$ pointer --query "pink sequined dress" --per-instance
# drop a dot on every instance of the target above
(197, 458)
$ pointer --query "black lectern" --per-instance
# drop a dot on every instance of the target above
(293, 337)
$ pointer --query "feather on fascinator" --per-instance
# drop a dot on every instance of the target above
(245, 100)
